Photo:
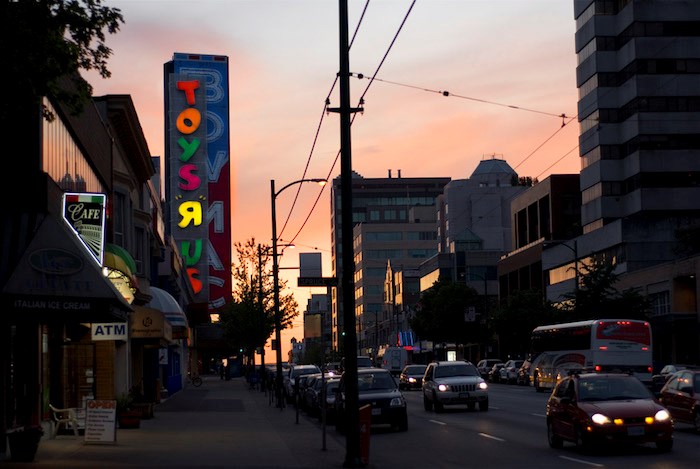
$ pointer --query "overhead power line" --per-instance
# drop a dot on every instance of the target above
(361, 101)
(450, 94)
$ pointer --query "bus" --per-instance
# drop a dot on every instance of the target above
(598, 345)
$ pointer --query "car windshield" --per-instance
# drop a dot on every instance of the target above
(608, 388)
(364, 362)
(303, 371)
(445, 371)
(374, 381)
(413, 370)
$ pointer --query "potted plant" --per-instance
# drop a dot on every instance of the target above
(127, 416)
(139, 403)
(23, 441)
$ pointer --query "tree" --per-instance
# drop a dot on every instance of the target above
(514, 321)
(46, 41)
(249, 320)
(597, 296)
(441, 311)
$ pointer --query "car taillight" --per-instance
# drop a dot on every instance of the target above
(598, 368)
(649, 369)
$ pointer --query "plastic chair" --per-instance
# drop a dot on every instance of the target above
(67, 417)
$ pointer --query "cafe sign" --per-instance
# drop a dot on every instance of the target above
(85, 213)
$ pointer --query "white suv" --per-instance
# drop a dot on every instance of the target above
(454, 382)
(509, 372)
(290, 380)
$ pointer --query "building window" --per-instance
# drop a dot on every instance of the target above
(139, 251)
(62, 158)
(383, 236)
(660, 303)
(119, 218)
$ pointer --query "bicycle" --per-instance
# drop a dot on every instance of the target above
(195, 381)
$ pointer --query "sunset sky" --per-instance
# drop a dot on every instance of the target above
(508, 65)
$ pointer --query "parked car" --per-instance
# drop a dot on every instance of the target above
(411, 377)
(681, 396)
(599, 408)
(304, 382)
(377, 388)
(495, 373)
(313, 394)
(523, 376)
(289, 385)
(484, 366)
(509, 372)
(454, 383)
(331, 392)
(363, 361)
(658, 380)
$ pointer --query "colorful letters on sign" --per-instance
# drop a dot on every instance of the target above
(198, 172)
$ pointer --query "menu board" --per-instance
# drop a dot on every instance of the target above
(100, 421)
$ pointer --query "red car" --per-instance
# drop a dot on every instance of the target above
(593, 409)
(681, 396)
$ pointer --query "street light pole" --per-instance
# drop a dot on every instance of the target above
(573, 249)
(276, 284)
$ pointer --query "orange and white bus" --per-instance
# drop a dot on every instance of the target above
(600, 345)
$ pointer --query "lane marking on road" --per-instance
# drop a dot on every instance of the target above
(581, 461)
(438, 422)
(539, 415)
(486, 435)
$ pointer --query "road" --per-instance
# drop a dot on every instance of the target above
(511, 434)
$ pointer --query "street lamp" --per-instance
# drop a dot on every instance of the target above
(276, 286)
(573, 249)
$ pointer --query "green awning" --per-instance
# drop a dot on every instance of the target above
(116, 255)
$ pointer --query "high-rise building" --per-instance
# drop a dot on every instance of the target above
(638, 78)
(394, 219)
(474, 231)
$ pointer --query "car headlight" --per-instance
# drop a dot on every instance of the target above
(397, 402)
(443, 387)
(483, 386)
(600, 419)
(662, 415)
(411, 380)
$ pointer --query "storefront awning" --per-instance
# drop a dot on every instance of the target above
(164, 301)
(58, 277)
(120, 269)
(150, 323)
(117, 258)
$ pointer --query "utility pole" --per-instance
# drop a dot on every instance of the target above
(347, 285)
(263, 374)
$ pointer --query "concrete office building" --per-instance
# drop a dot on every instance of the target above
(639, 109)
(394, 219)
(474, 231)
(638, 78)
(474, 228)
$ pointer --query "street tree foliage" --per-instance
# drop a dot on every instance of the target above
(514, 320)
(441, 310)
(597, 296)
(249, 320)
(47, 41)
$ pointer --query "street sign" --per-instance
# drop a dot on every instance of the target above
(317, 281)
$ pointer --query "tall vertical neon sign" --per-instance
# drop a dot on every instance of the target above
(198, 171)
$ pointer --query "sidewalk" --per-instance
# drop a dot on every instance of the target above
(219, 424)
